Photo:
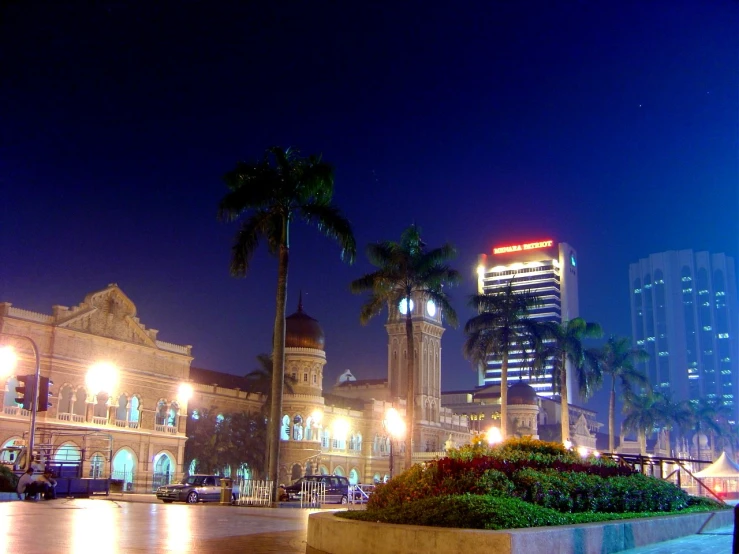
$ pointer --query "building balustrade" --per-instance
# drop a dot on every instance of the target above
(100, 420)
(15, 411)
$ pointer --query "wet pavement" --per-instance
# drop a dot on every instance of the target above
(104, 526)
(97, 526)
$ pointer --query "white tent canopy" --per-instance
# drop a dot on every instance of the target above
(724, 467)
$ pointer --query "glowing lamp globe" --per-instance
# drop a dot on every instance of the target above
(101, 377)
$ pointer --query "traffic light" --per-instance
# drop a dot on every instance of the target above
(25, 390)
(44, 394)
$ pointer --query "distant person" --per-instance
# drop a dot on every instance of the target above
(28, 485)
(48, 482)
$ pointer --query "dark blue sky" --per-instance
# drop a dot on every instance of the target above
(608, 125)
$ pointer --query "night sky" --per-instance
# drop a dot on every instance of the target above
(609, 125)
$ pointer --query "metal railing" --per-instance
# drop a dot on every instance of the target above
(254, 493)
(312, 494)
(359, 494)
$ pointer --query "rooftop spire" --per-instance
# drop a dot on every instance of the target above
(300, 302)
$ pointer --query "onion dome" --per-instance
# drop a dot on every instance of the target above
(521, 393)
(302, 331)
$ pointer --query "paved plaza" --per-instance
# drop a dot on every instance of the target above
(103, 526)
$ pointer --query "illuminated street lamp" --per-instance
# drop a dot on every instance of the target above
(184, 393)
(340, 428)
(101, 378)
(8, 361)
(395, 426)
(494, 436)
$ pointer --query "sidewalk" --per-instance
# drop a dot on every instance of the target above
(713, 542)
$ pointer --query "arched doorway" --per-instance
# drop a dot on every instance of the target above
(295, 474)
(97, 465)
(353, 477)
(163, 470)
(124, 467)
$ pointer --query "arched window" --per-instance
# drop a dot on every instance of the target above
(161, 415)
(358, 442)
(298, 428)
(101, 405)
(174, 411)
(296, 472)
(325, 438)
(97, 465)
(68, 452)
(122, 410)
(353, 476)
(323, 470)
(339, 471)
(309, 428)
(134, 414)
(66, 400)
(80, 402)
(285, 429)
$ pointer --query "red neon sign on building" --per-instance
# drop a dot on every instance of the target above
(523, 247)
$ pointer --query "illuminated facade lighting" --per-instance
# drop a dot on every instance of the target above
(549, 271)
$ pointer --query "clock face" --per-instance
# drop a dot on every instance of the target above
(403, 306)
(573, 261)
(431, 308)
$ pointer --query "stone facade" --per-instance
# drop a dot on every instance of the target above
(135, 431)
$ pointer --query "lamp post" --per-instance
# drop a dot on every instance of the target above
(34, 400)
(395, 426)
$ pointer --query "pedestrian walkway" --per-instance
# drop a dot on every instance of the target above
(718, 541)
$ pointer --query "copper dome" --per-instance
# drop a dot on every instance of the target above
(521, 393)
(302, 331)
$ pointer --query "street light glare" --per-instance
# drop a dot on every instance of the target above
(101, 377)
(185, 392)
(341, 429)
(394, 423)
(8, 360)
(317, 416)
(494, 435)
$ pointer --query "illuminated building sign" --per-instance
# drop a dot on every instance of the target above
(522, 247)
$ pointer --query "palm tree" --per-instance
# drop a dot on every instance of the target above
(562, 343)
(405, 269)
(270, 194)
(644, 415)
(707, 417)
(672, 414)
(616, 359)
(501, 327)
(260, 380)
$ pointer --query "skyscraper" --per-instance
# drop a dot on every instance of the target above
(684, 314)
(546, 269)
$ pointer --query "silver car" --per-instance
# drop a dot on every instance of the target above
(192, 489)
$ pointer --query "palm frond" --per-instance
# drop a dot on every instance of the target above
(334, 225)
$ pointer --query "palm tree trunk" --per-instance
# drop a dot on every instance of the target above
(278, 363)
(612, 417)
(564, 401)
(642, 442)
(410, 397)
(504, 397)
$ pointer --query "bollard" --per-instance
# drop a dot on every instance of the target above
(735, 547)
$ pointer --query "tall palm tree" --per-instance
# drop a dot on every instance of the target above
(270, 194)
(672, 414)
(616, 359)
(563, 342)
(405, 269)
(708, 414)
(643, 415)
(501, 327)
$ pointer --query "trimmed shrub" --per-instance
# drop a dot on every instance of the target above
(8, 480)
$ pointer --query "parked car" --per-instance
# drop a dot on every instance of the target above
(192, 489)
(337, 488)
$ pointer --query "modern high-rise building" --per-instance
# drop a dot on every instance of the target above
(684, 314)
(549, 271)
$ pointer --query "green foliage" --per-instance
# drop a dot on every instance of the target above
(234, 440)
(8, 480)
(470, 511)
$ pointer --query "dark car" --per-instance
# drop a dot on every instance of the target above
(336, 487)
(192, 489)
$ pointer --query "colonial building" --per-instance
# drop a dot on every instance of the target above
(122, 418)
(342, 430)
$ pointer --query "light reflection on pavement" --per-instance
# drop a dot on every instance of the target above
(83, 526)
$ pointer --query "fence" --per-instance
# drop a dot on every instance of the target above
(312, 494)
(255, 493)
(359, 494)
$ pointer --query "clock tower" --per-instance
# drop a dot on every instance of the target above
(427, 331)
